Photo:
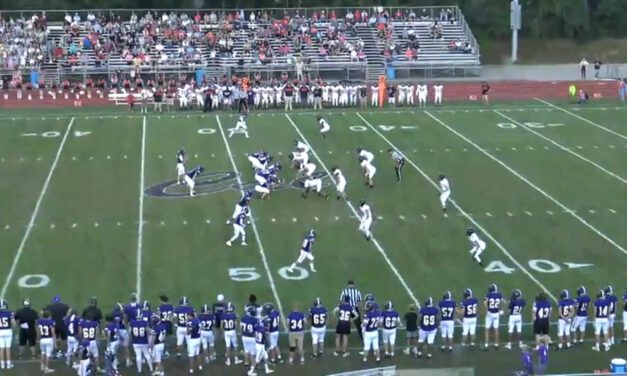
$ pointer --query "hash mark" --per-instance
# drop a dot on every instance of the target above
(591, 211)
(108, 157)
(514, 148)
(21, 159)
(162, 223)
(330, 152)
(546, 148)
(496, 148)
(273, 219)
(528, 213)
(208, 221)
(74, 225)
(337, 218)
(196, 156)
(280, 153)
(316, 219)
(549, 212)
(96, 224)
(579, 147)
(379, 217)
(530, 148)
(160, 156)
(431, 150)
(7, 227)
(423, 216)
(294, 219)
(125, 156)
(510, 214)
(402, 218)
(596, 146)
(612, 211)
(184, 222)
(611, 146)
(119, 224)
(73, 158)
(91, 157)
(52, 226)
(447, 150)
(488, 214)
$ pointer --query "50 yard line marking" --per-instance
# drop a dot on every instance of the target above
(262, 252)
(352, 208)
(140, 225)
(529, 183)
(31, 222)
(462, 211)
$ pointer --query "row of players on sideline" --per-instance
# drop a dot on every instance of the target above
(136, 325)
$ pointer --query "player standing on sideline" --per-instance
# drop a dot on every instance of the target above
(306, 252)
(71, 323)
(399, 162)
(515, 308)
(296, 334)
(365, 219)
(193, 342)
(485, 93)
(582, 302)
(324, 126)
(374, 95)
(159, 333)
(447, 320)
(207, 339)
(274, 318)
(445, 191)
(492, 301)
(344, 312)
(422, 95)
(612, 301)
(370, 327)
(468, 309)
(625, 317)
(540, 316)
(247, 325)
(229, 323)
(7, 322)
(318, 320)
(601, 314)
(428, 327)
(239, 227)
(438, 90)
(565, 311)
(261, 355)
(390, 321)
(180, 317)
(46, 335)
(181, 157)
(140, 334)
(478, 245)
(112, 334)
(340, 182)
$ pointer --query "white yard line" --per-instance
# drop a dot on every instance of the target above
(262, 252)
(568, 150)
(140, 223)
(33, 217)
(582, 118)
(535, 187)
(352, 208)
(462, 211)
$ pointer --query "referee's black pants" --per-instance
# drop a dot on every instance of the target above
(398, 168)
(358, 324)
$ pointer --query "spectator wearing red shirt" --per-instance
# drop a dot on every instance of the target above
(130, 99)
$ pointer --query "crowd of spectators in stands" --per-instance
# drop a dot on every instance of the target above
(22, 42)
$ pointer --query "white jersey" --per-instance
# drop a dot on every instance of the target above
(374, 91)
(367, 155)
(438, 90)
(339, 177)
(475, 241)
(324, 125)
(308, 168)
(368, 168)
(366, 213)
(444, 185)
(422, 90)
(302, 146)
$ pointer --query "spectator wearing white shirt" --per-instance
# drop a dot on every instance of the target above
(583, 66)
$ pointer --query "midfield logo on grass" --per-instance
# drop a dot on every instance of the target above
(216, 182)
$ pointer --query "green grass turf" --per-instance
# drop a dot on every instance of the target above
(528, 196)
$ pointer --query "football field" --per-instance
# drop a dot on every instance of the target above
(90, 208)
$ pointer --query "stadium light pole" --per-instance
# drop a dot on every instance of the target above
(515, 23)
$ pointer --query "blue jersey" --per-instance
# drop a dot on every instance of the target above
(118, 316)
(516, 306)
(248, 324)
(89, 330)
(582, 303)
(372, 320)
(139, 332)
(194, 173)
(308, 243)
(260, 334)
(566, 307)
(146, 314)
(612, 300)
(206, 321)
(447, 309)
(229, 320)
(166, 311)
(389, 319)
(180, 157)
(241, 219)
(318, 317)
(493, 302)
(160, 332)
(542, 310)
(244, 201)
(625, 302)
(112, 329)
(274, 318)
(264, 174)
(45, 327)
(180, 315)
(428, 318)
(601, 308)
(193, 328)
(132, 311)
(296, 321)
(6, 319)
(469, 306)
(71, 323)
(261, 156)
(344, 312)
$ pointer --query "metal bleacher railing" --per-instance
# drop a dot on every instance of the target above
(434, 58)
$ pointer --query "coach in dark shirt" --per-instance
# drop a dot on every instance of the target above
(411, 328)
(92, 312)
(58, 311)
(26, 318)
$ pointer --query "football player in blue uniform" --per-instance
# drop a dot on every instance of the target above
(190, 178)
(493, 302)
(468, 310)
(582, 302)
(248, 324)
(390, 321)
(612, 302)
(131, 311)
(296, 334)
(242, 204)
(46, 335)
(259, 160)
(306, 252)
(344, 313)
(428, 327)
(318, 315)
(447, 320)
(625, 317)
(229, 325)
(207, 339)
(601, 322)
(565, 311)
(541, 314)
(274, 318)
(181, 157)
(239, 227)
(180, 317)
(370, 327)
(88, 330)
(159, 333)
(515, 307)
(7, 322)
(261, 355)
(193, 342)
(140, 333)
(111, 331)
(71, 323)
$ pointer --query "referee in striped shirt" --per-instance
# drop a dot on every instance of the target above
(354, 296)
(399, 162)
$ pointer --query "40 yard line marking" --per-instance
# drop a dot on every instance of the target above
(466, 215)
(31, 222)
(352, 208)
(140, 225)
(529, 183)
(262, 252)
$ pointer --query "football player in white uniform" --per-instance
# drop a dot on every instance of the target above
(365, 219)
(315, 184)
(240, 127)
(361, 152)
(181, 157)
(445, 191)
(369, 171)
(437, 91)
(422, 95)
(478, 245)
(190, 178)
(374, 95)
(324, 126)
(340, 182)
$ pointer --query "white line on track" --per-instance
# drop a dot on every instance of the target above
(583, 119)
(529, 183)
(262, 252)
(354, 211)
(140, 223)
(31, 222)
(462, 211)
(568, 150)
